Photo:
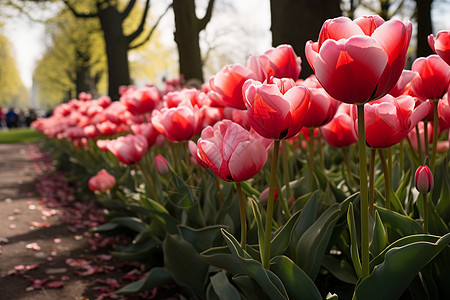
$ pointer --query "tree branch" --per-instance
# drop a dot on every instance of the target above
(147, 38)
(76, 13)
(140, 28)
(128, 9)
(207, 17)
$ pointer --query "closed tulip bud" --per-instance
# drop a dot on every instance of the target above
(423, 179)
(161, 165)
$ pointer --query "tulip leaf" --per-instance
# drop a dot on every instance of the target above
(259, 225)
(443, 205)
(280, 242)
(110, 226)
(139, 251)
(201, 239)
(222, 287)
(402, 189)
(380, 236)
(132, 223)
(307, 216)
(155, 277)
(354, 253)
(250, 288)
(401, 224)
(435, 224)
(297, 283)
(161, 215)
(340, 268)
(185, 265)
(399, 267)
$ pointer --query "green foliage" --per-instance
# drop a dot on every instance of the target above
(20, 135)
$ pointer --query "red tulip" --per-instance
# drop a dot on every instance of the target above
(226, 85)
(444, 109)
(388, 120)
(147, 130)
(107, 127)
(441, 44)
(139, 101)
(412, 136)
(341, 131)
(433, 77)
(359, 61)
(276, 110)
(101, 182)
(403, 85)
(423, 179)
(179, 123)
(231, 152)
(128, 149)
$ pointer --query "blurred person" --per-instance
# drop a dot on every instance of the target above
(30, 117)
(12, 119)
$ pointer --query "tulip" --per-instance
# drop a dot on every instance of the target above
(423, 180)
(441, 44)
(388, 120)
(433, 77)
(276, 110)
(403, 85)
(226, 85)
(139, 101)
(322, 108)
(128, 149)
(231, 152)
(444, 109)
(341, 131)
(147, 130)
(161, 165)
(101, 182)
(359, 61)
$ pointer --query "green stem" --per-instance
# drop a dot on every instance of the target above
(401, 155)
(283, 201)
(284, 157)
(147, 179)
(175, 157)
(243, 216)
(269, 210)
(435, 134)
(371, 181)
(363, 192)
(387, 181)
(426, 139)
(311, 160)
(425, 212)
(347, 166)
(219, 190)
(321, 158)
(419, 144)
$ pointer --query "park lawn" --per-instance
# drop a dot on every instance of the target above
(19, 135)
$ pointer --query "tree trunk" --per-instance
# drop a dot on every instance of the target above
(295, 22)
(187, 39)
(424, 27)
(116, 45)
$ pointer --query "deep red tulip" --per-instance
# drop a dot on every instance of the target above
(226, 85)
(179, 123)
(433, 77)
(423, 179)
(340, 131)
(441, 44)
(359, 61)
(139, 101)
(102, 182)
(231, 152)
(277, 110)
(128, 149)
(388, 120)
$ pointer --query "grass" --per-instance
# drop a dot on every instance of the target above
(19, 135)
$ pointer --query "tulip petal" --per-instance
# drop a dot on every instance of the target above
(339, 28)
(248, 158)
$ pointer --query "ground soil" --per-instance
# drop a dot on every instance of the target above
(36, 241)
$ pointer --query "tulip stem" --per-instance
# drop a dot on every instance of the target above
(371, 181)
(284, 157)
(269, 210)
(311, 159)
(401, 156)
(347, 166)
(147, 179)
(283, 201)
(175, 157)
(363, 192)
(243, 216)
(321, 158)
(426, 139)
(435, 134)
(387, 179)
(425, 212)
(419, 144)
(219, 190)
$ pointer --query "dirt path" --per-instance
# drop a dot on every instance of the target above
(41, 257)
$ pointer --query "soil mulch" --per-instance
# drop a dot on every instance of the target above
(46, 249)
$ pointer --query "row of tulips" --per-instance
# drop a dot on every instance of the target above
(194, 174)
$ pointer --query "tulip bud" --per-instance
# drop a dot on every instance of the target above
(161, 165)
(423, 179)
(264, 196)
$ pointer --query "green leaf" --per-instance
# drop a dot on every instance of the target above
(401, 224)
(380, 236)
(401, 264)
(132, 223)
(105, 227)
(259, 225)
(280, 242)
(250, 288)
(201, 239)
(443, 205)
(401, 191)
(161, 215)
(223, 288)
(297, 283)
(307, 216)
(340, 268)
(155, 277)
(186, 266)
(136, 252)
(354, 253)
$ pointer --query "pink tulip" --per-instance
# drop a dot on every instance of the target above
(412, 136)
(423, 179)
(433, 77)
(444, 109)
(139, 101)
(403, 85)
(388, 120)
(276, 110)
(179, 123)
(226, 85)
(340, 131)
(107, 128)
(128, 149)
(359, 61)
(147, 130)
(231, 152)
(161, 165)
(441, 44)
(101, 182)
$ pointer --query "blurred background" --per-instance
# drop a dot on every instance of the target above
(51, 50)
